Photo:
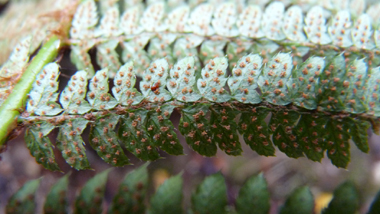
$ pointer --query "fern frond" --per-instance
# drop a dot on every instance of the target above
(70, 143)
(219, 25)
(328, 97)
(302, 75)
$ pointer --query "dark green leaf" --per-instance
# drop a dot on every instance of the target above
(56, 200)
(70, 142)
(91, 196)
(134, 135)
(39, 145)
(375, 122)
(336, 142)
(255, 131)
(253, 196)
(300, 201)
(358, 132)
(161, 130)
(195, 127)
(224, 129)
(23, 200)
(104, 140)
(375, 206)
(310, 132)
(210, 196)
(282, 124)
(168, 198)
(345, 200)
(131, 194)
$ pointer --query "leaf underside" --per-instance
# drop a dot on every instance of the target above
(272, 77)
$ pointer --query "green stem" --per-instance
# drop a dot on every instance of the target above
(10, 109)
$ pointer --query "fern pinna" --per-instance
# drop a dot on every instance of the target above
(226, 74)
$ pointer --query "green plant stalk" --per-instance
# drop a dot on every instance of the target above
(10, 109)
